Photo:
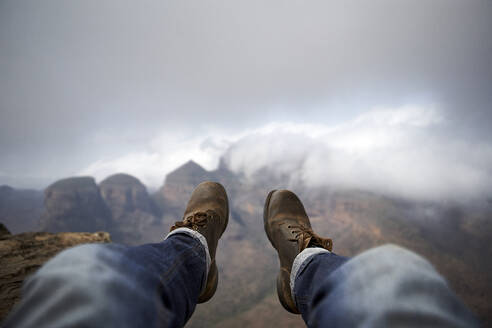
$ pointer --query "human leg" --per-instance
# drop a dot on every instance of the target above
(387, 286)
(113, 285)
(289, 230)
(384, 287)
(120, 286)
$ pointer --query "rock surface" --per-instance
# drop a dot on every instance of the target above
(125, 193)
(75, 204)
(179, 184)
(133, 212)
(22, 254)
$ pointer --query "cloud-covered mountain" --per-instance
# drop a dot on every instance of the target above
(453, 235)
(404, 152)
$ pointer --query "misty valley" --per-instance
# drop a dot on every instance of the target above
(453, 236)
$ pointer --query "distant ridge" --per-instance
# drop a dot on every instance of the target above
(121, 179)
(188, 173)
(72, 183)
(20, 209)
(356, 220)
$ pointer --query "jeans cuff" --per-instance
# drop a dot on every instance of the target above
(197, 236)
(302, 259)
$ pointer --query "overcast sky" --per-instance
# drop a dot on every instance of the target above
(89, 87)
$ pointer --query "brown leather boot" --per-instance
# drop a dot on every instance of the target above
(207, 212)
(289, 230)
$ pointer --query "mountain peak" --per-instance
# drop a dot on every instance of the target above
(124, 193)
(6, 190)
(74, 204)
(189, 173)
(74, 183)
(191, 165)
(121, 179)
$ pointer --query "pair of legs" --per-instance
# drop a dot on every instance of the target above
(159, 285)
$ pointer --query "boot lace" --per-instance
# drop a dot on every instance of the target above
(195, 220)
(306, 237)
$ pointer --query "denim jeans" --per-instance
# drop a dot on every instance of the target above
(387, 286)
(157, 285)
(110, 285)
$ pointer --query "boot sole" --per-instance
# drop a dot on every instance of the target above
(213, 273)
(283, 291)
(212, 282)
(283, 278)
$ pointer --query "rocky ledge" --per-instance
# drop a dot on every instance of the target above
(22, 254)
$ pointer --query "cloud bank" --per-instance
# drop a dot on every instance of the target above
(393, 151)
(85, 81)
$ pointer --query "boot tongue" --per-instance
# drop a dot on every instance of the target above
(194, 221)
(307, 238)
(305, 243)
(317, 241)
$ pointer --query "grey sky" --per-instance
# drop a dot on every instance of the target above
(85, 81)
